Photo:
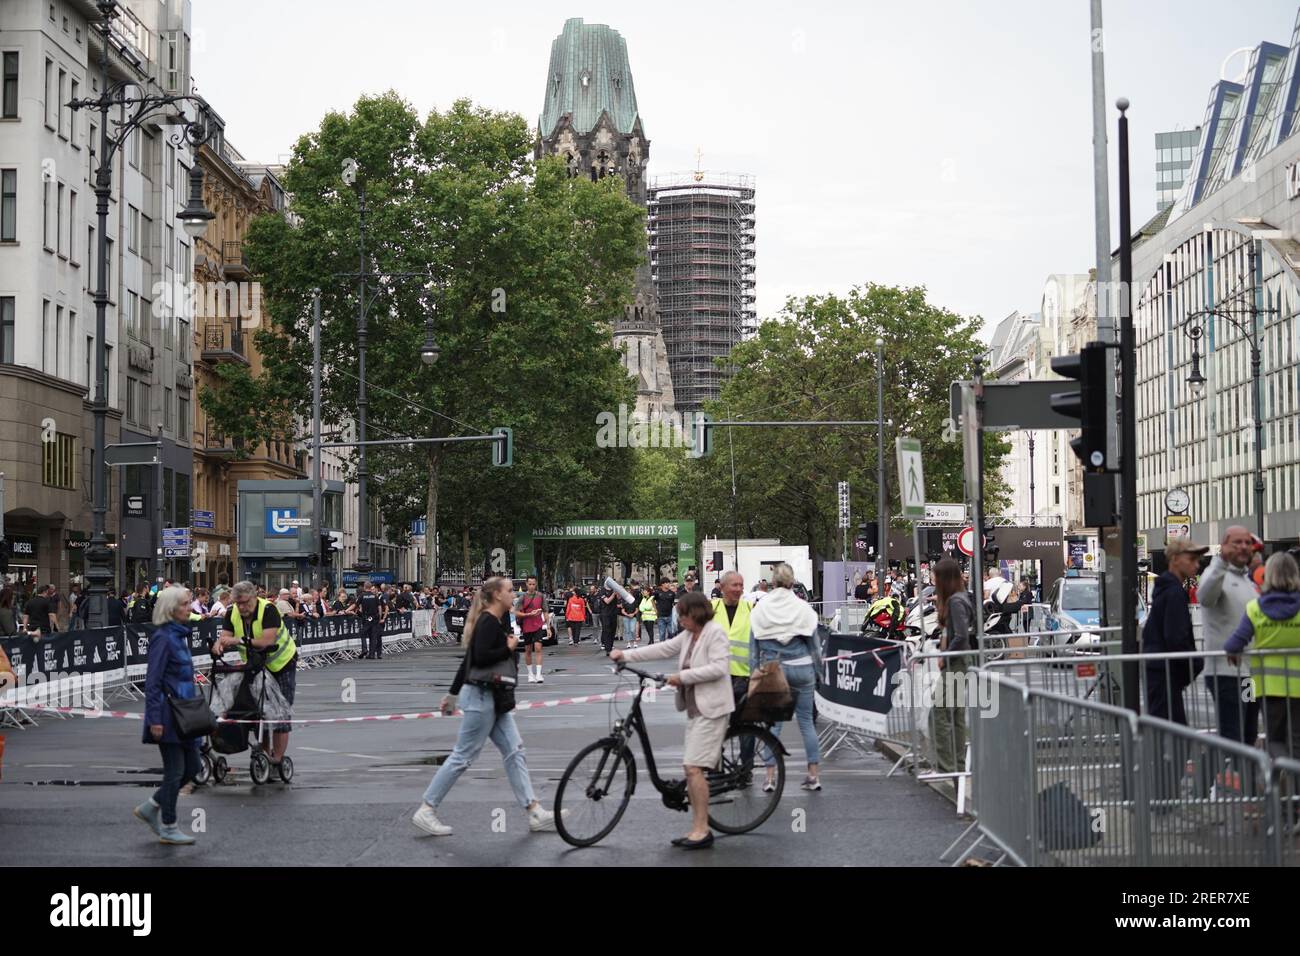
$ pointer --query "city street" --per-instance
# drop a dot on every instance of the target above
(69, 786)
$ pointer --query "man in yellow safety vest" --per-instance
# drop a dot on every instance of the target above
(731, 612)
(255, 621)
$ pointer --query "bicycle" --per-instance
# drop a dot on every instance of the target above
(599, 782)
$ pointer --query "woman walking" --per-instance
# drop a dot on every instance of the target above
(784, 628)
(575, 615)
(170, 674)
(704, 692)
(488, 674)
(956, 611)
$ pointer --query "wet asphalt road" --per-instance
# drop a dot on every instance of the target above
(69, 786)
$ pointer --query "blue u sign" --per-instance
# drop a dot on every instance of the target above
(283, 522)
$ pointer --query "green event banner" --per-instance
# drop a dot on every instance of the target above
(608, 529)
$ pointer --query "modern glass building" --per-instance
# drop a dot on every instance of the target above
(1174, 152)
(1214, 274)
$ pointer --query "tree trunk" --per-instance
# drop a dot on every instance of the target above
(431, 519)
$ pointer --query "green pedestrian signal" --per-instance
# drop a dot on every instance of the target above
(503, 447)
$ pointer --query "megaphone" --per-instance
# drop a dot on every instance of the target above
(618, 589)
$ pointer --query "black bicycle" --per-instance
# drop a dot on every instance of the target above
(599, 782)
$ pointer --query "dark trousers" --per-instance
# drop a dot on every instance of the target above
(372, 638)
(1238, 720)
(1282, 725)
(1165, 697)
(180, 766)
(608, 625)
(649, 627)
(575, 631)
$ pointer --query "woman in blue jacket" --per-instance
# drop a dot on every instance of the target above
(171, 674)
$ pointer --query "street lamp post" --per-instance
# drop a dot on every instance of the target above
(429, 353)
(137, 110)
(1195, 331)
(882, 520)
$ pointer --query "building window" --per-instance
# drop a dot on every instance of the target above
(183, 417)
(132, 396)
(49, 93)
(60, 462)
(181, 518)
(7, 329)
(63, 83)
(169, 246)
(57, 364)
(90, 358)
(45, 214)
(133, 149)
(8, 205)
(170, 171)
(132, 229)
(167, 410)
(60, 220)
(72, 224)
(9, 100)
(74, 92)
(45, 332)
(146, 238)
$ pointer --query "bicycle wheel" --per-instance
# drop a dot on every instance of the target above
(737, 801)
(594, 791)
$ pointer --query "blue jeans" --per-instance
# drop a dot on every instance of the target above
(480, 724)
(663, 628)
(180, 766)
(803, 680)
(630, 625)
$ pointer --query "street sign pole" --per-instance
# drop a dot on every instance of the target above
(158, 517)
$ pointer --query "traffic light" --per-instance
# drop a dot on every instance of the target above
(1087, 404)
(503, 449)
(701, 436)
(990, 544)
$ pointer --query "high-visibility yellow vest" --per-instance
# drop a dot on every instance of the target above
(284, 641)
(648, 612)
(1274, 675)
(737, 634)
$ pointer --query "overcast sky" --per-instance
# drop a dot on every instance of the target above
(943, 143)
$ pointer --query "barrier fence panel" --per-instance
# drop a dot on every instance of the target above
(1084, 805)
(1003, 771)
(1211, 800)
(1286, 810)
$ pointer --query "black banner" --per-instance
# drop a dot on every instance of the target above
(857, 689)
(67, 652)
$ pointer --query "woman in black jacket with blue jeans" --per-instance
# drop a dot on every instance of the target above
(170, 674)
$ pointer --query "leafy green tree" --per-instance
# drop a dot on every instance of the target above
(525, 268)
(817, 362)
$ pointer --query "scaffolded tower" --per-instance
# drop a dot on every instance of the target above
(702, 261)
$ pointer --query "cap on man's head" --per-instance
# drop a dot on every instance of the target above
(1183, 546)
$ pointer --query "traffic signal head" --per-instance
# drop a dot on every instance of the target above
(503, 449)
(701, 436)
(1087, 404)
(990, 545)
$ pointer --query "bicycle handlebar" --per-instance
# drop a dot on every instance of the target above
(659, 679)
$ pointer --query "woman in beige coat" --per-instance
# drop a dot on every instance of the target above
(704, 692)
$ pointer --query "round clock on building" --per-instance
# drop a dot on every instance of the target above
(1177, 501)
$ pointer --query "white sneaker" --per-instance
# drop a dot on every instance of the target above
(426, 820)
(530, 675)
(539, 820)
(540, 678)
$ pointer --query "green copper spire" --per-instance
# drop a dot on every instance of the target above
(589, 74)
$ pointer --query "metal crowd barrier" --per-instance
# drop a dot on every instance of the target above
(1060, 780)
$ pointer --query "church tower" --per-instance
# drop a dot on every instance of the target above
(590, 118)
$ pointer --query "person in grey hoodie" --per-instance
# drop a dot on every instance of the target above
(784, 628)
(1224, 591)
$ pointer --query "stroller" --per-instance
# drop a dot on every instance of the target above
(244, 691)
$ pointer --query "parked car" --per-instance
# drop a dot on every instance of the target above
(1073, 610)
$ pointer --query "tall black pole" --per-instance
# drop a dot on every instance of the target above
(1257, 290)
(99, 573)
(882, 519)
(1033, 510)
(363, 519)
(1128, 430)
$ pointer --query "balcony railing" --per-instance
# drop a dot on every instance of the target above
(234, 261)
(223, 342)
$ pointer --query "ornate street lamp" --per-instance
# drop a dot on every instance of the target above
(137, 107)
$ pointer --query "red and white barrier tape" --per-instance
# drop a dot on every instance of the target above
(423, 715)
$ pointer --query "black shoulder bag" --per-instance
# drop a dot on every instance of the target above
(191, 717)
